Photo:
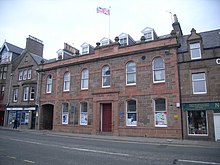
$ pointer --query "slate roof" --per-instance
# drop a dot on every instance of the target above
(210, 39)
(13, 48)
(37, 58)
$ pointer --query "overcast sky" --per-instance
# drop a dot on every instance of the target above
(76, 21)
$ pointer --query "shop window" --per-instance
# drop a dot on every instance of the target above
(83, 113)
(197, 123)
(24, 118)
(106, 76)
(195, 51)
(66, 81)
(160, 113)
(85, 79)
(49, 84)
(65, 113)
(131, 113)
(199, 83)
(11, 117)
(158, 70)
(130, 73)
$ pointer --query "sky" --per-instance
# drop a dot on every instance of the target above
(75, 22)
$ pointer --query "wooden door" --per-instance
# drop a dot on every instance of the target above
(106, 117)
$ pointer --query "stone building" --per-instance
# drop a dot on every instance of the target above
(128, 88)
(199, 73)
(23, 86)
(8, 53)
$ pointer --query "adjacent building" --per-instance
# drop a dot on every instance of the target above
(8, 53)
(23, 86)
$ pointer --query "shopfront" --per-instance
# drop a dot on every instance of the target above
(25, 117)
(200, 119)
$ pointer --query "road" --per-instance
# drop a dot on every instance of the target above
(37, 148)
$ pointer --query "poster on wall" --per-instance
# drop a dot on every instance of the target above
(83, 118)
(161, 118)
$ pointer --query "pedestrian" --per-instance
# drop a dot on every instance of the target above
(15, 124)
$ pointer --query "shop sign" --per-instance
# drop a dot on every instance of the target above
(201, 106)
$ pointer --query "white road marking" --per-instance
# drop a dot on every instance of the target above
(198, 162)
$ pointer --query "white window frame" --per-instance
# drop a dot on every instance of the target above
(197, 47)
(148, 36)
(85, 79)
(162, 69)
(66, 81)
(158, 114)
(32, 93)
(199, 80)
(129, 121)
(106, 76)
(15, 95)
(85, 50)
(29, 74)
(49, 84)
(25, 75)
(65, 113)
(20, 75)
(123, 41)
(26, 92)
(83, 114)
(128, 73)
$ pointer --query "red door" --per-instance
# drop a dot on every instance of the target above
(106, 117)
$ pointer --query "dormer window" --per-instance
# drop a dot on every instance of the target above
(123, 41)
(104, 41)
(85, 50)
(148, 36)
(195, 51)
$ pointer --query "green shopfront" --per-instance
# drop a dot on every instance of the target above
(201, 120)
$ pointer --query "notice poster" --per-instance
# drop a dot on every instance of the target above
(161, 118)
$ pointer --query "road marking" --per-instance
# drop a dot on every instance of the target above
(194, 161)
(11, 157)
(96, 151)
(29, 161)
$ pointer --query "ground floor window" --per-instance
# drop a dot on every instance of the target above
(11, 117)
(160, 112)
(83, 113)
(22, 117)
(197, 122)
(65, 113)
(131, 113)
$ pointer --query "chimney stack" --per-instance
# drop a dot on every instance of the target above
(34, 45)
(176, 26)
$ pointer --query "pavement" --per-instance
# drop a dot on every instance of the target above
(106, 137)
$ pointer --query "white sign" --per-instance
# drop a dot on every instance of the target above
(218, 61)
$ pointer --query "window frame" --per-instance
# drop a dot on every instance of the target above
(49, 84)
(128, 73)
(158, 70)
(199, 80)
(32, 93)
(106, 76)
(162, 112)
(128, 122)
(123, 41)
(65, 114)
(26, 93)
(29, 74)
(85, 79)
(25, 75)
(83, 114)
(66, 82)
(15, 95)
(20, 75)
(197, 47)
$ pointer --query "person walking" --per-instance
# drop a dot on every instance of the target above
(15, 124)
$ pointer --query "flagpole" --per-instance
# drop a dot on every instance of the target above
(109, 25)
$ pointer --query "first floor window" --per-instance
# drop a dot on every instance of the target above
(199, 83)
(49, 84)
(106, 76)
(2, 91)
(158, 70)
(20, 75)
(130, 73)
(131, 113)
(32, 93)
(15, 95)
(83, 113)
(197, 122)
(65, 113)
(160, 113)
(85, 79)
(26, 90)
(66, 82)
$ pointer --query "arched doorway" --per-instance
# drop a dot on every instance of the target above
(47, 116)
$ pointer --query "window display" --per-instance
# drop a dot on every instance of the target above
(197, 123)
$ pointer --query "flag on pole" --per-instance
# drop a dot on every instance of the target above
(105, 11)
